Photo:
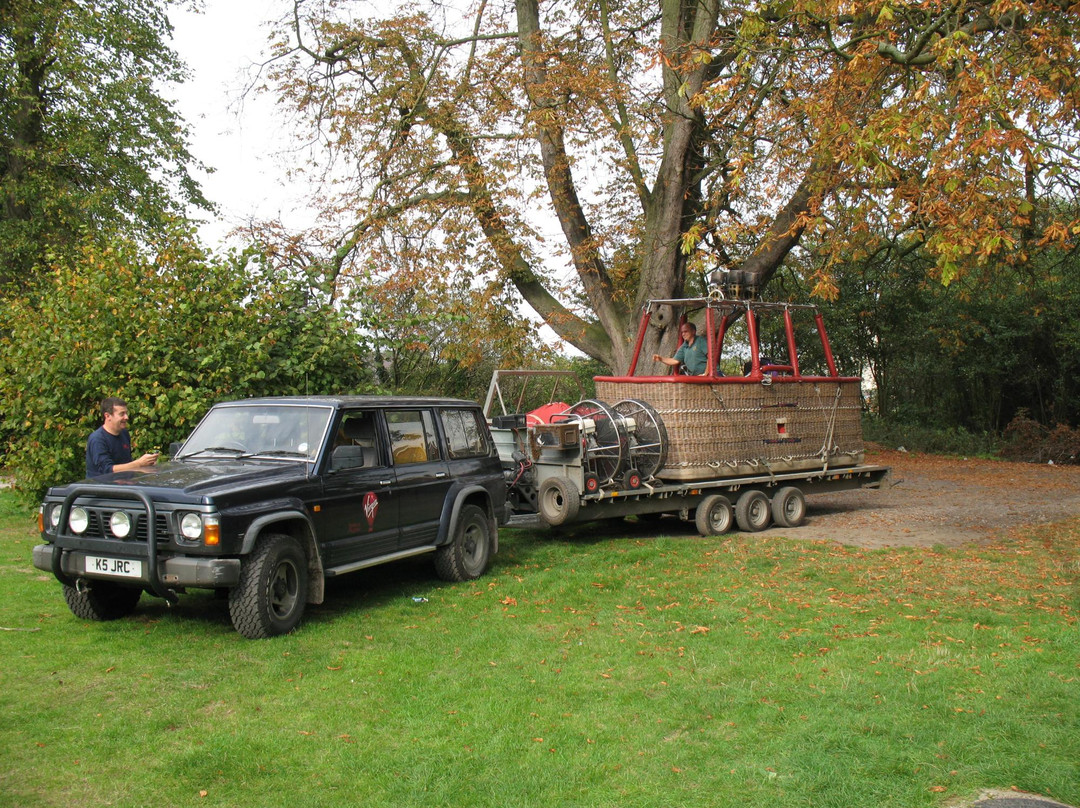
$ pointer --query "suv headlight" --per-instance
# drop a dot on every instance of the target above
(48, 518)
(195, 526)
(191, 525)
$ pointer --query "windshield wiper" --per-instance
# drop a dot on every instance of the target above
(235, 452)
(281, 453)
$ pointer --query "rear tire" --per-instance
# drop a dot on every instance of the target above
(713, 516)
(467, 555)
(101, 600)
(272, 593)
(752, 511)
(559, 501)
(789, 507)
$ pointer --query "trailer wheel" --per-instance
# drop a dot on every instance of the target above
(789, 507)
(559, 501)
(752, 511)
(592, 483)
(713, 516)
(632, 480)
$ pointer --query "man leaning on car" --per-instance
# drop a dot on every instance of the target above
(108, 449)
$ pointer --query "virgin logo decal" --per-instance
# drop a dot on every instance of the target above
(371, 508)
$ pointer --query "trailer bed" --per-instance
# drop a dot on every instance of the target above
(684, 499)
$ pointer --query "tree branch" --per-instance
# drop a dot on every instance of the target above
(785, 230)
(621, 122)
(561, 186)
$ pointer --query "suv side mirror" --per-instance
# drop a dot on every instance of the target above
(347, 457)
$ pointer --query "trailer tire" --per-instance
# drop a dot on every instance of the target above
(632, 480)
(713, 516)
(752, 511)
(592, 483)
(789, 507)
(559, 501)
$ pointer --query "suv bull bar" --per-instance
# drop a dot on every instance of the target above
(151, 552)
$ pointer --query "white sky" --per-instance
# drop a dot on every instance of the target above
(238, 137)
(241, 138)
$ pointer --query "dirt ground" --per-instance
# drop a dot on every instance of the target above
(940, 500)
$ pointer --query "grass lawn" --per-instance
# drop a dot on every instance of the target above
(607, 666)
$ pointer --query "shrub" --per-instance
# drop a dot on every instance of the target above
(1029, 441)
(170, 335)
(952, 440)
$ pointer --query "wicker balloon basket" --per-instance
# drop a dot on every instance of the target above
(737, 427)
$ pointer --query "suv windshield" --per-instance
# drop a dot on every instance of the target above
(264, 430)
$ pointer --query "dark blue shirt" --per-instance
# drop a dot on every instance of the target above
(105, 450)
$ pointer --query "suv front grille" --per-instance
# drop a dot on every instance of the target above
(98, 527)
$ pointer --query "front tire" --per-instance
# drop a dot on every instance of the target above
(713, 516)
(101, 600)
(467, 555)
(272, 593)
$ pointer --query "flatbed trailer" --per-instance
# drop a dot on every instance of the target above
(555, 491)
(556, 471)
(730, 443)
(715, 506)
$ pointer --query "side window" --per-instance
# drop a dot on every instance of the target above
(464, 434)
(412, 436)
(357, 440)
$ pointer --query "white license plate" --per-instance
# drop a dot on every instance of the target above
(121, 567)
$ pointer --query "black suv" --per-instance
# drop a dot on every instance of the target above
(269, 497)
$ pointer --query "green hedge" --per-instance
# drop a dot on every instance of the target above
(170, 334)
